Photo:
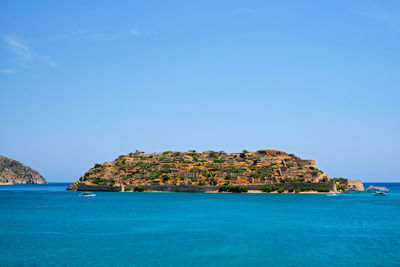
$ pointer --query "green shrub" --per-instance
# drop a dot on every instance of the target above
(265, 188)
(323, 189)
(213, 182)
(218, 161)
(127, 177)
(291, 189)
(298, 190)
(165, 177)
(341, 187)
(272, 188)
(155, 174)
(263, 173)
(337, 179)
(233, 169)
(306, 188)
(223, 188)
(269, 188)
(128, 189)
(138, 188)
(98, 181)
(233, 188)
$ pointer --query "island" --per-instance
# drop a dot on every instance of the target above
(210, 171)
(14, 172)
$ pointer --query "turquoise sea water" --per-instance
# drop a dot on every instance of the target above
(43, 225)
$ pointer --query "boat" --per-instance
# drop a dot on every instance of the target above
(379, 193)
(88, 194)
(374, 189)
(353, 190)
(332, 194)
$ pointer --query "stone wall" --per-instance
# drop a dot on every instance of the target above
(330, 185)
(199, 188)
(306, 162)
(208, 188)
(181, 188)
(85, 187)
(357, 184)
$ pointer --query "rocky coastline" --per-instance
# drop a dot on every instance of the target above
(14, 172)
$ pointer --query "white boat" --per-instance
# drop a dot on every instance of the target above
(88, 194)
(374, 189)
(352, 190)
(331, 194)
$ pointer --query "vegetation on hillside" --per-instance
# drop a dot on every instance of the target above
(215, 168)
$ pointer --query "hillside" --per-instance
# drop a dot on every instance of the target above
(192, 168)
(14, 172)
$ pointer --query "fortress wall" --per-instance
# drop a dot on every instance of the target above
(208, 188)
(85, 187)
(356, 183)
(330, 185)
(182, 188)
(200, 188)
(305, 162)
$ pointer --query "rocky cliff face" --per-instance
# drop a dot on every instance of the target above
(14, 172)
(205, 168)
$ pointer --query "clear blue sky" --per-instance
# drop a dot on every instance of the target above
(82, 82)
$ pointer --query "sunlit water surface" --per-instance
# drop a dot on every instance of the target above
(44, 225)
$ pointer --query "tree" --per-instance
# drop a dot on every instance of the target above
(213, 182)
(233, 188)
(165, 177)
(138, 188)
(263, 173)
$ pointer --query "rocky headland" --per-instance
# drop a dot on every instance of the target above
(14, 172)
(208, 171)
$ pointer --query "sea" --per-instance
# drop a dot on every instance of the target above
(44, 225)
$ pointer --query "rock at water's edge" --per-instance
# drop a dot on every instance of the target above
(14, 172)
